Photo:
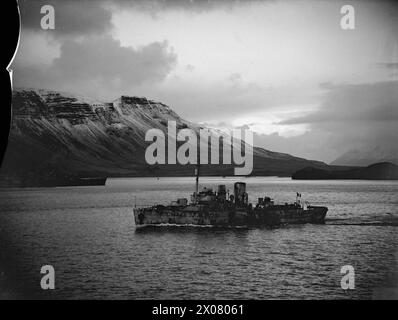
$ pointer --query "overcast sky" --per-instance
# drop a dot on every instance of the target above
(285, 69)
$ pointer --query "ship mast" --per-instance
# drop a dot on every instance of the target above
(197, 172)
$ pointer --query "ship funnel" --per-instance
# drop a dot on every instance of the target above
(222, 192)
(240, 193)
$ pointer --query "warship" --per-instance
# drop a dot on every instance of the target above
(221, 209)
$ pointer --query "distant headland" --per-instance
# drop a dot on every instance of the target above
(377, 171)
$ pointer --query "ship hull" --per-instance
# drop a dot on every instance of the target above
(228, 217)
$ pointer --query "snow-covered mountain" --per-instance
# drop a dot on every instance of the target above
(56, 133)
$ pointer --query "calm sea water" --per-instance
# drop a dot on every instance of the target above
(88, 235)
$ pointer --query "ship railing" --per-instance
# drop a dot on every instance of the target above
(147, 205)
(142, 206)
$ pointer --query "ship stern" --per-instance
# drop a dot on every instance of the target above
(318, 214)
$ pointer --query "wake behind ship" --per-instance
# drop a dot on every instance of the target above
(219, 209)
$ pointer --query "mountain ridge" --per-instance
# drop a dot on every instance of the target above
(366, 157)
(54, 133)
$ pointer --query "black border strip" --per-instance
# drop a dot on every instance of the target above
(10, 25)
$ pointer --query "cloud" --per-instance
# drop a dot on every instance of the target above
(100, 63)
(391, 66)
(330, 141)
(82, 17)
(388, 65)
(351, 117)
(72, 17)
(155, 6)
(355, 102)
(227, 100)
(314, 145)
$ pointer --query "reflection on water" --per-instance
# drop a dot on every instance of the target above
(202, 230)
(88, 235)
